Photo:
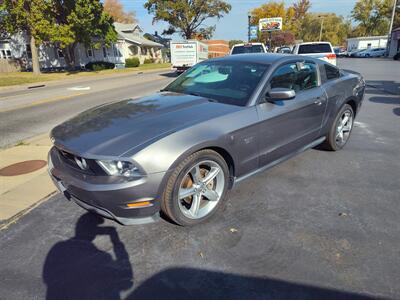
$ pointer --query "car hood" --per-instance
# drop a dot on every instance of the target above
(115, 128)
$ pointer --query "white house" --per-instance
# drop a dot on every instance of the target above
(367, 42)
(130, 43)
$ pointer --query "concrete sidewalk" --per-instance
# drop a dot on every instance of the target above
(20, 193)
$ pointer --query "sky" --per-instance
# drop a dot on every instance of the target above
(234, 25)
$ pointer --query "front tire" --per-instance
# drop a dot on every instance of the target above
(340, 130)
(196, 188)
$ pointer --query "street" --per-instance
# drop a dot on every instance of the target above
(27, 113)
(323, 225)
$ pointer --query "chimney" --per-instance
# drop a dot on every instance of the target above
(156, 33)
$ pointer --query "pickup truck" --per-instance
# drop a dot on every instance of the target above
(320, 50)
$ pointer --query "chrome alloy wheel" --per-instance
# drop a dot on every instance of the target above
(343, 127)
(201, 189)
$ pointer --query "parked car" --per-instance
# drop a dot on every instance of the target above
(248, 48)
(354, 52)
(340, 52)
(182, 149)
(320, 50)
(397, 56)
(284, 50)
(371, 52)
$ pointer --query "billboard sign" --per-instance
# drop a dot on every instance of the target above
(270, 24)
(253, 32)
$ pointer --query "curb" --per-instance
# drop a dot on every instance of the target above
(4, 224)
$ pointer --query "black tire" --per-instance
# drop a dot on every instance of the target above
(330, 141)
(169, 203)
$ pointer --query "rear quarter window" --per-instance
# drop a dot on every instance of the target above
(315, 48)
(331, 72)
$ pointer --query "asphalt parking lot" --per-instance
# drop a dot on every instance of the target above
(323, 225)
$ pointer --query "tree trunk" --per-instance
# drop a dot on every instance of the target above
(35, 56)
(69, 56)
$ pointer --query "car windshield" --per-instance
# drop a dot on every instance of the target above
(230, 82)
(315, 48)
(248, 49)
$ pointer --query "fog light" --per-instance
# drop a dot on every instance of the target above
(139, 204)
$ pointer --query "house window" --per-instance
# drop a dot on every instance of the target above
(89, 52)
(3, 54)
(134, 50)
(28, 51)
(8, 52)
(104, 52)
(60, 54)
(144, 51)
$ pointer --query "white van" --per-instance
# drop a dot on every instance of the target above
(321, 50)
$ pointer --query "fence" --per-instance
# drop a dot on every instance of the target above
(9, 65)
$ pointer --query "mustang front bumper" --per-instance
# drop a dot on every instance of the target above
(108, 196)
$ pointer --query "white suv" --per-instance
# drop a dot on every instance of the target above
(321, 50)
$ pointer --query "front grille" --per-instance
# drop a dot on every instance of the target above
(69, 159)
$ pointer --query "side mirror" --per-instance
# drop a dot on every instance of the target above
(279, 94)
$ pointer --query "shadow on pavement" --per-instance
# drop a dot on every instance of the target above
(382, 87)
(385, 100)
(191, 284)
(77, 269)
(170, 74)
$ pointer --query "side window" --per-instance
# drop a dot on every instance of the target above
(331, 72)
(307, 77)
(284, 77)
(296, 76)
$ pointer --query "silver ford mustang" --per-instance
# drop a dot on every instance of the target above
(179, 151)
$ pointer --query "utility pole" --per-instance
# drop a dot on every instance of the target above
(391, 27)
(248, 25)
(320, 31)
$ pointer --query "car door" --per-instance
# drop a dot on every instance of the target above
(286, 126)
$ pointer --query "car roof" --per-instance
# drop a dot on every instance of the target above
(263, 58)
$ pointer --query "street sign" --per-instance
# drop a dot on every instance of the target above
(270, 24)
(253, 32)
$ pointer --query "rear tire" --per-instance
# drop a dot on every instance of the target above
(340, 130)
(196, 188)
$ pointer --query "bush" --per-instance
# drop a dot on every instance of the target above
(132, 62)
(148, 61)
(99, 65)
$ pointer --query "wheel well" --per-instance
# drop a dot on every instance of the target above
(227, 157)
(353, 105)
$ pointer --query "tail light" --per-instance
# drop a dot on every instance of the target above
(331, 56)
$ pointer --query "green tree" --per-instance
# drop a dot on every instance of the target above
(30, 17)
(80, 21)
(234, 42)
(187, 16)
(334, 28)
(373, 16)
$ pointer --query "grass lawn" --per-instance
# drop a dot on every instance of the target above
(16, 78)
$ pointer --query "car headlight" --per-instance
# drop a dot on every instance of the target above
(119, 168)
